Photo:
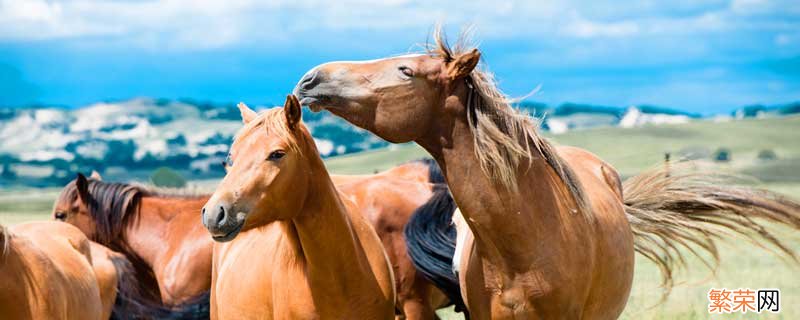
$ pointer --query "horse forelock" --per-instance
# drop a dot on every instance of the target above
(504, 137)
(273, 122)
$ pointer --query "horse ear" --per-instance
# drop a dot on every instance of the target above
(247, 113)
(83, 187)
(96, 176)
(462, 65)
(292, 111)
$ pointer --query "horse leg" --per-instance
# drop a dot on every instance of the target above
(416, 302)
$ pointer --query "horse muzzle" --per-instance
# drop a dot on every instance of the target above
(220, 221)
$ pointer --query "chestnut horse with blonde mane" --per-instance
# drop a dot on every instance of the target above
(553, 233)
(180, 272)
(50, 270)
(294, 247)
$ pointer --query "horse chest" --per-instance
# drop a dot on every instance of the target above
(260, 282)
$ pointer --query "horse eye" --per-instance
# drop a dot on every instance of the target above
(61, 216)
(406, 71)
(276, 155)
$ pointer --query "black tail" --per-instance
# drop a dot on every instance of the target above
(133, 301)
(431, 242)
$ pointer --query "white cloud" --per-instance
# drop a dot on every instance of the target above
(208, 24)
(582, 28)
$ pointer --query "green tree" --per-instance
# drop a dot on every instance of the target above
(722, 155)
(166, 177)
(767, 155)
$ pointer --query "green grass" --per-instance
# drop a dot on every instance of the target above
(630, 151)
(20, 205)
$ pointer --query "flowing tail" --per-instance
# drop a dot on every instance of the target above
(431, 240)
(674, 207)
(133, 302)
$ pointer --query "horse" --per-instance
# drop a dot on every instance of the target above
(155, 230)
(289, 245)
(389, 199)
(553, 229)
(46, 272)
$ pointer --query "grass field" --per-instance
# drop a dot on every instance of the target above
(630, 151)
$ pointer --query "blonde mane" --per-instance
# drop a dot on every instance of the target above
(274, 122)
(504, 138)
(4, 240)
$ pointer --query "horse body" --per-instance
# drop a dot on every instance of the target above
(158, 232)
(536, 252)
(545, 260)
(319, 257)
(170, 240)
(553, 231)
(46, 273)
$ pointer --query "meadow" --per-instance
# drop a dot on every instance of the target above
(630, 151)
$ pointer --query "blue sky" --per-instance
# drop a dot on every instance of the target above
(701, 56)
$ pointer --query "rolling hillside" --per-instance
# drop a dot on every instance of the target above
(631, 150)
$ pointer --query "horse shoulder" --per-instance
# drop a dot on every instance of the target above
(186, 269)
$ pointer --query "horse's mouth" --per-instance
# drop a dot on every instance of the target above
(230, 235)
(312, 103)
(319, 102)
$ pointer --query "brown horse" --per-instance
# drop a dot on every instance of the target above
(388, 199)
(46, 273)
(158, 232)
(304, 250)
(553, 233)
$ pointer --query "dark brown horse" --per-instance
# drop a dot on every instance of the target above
(181, 266)
(553, 232)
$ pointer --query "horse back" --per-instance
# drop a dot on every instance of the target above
(612, 273)
(53, 262)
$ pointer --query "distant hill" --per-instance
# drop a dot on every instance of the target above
(128, 140)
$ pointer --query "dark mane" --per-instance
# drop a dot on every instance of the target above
(435, 175)
(112, 206)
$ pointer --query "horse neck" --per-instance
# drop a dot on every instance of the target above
(509, 226)
(158, 219)
(324, 235)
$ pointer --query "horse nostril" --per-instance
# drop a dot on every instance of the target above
(310, 80)
(203, 212)
(221, 215)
